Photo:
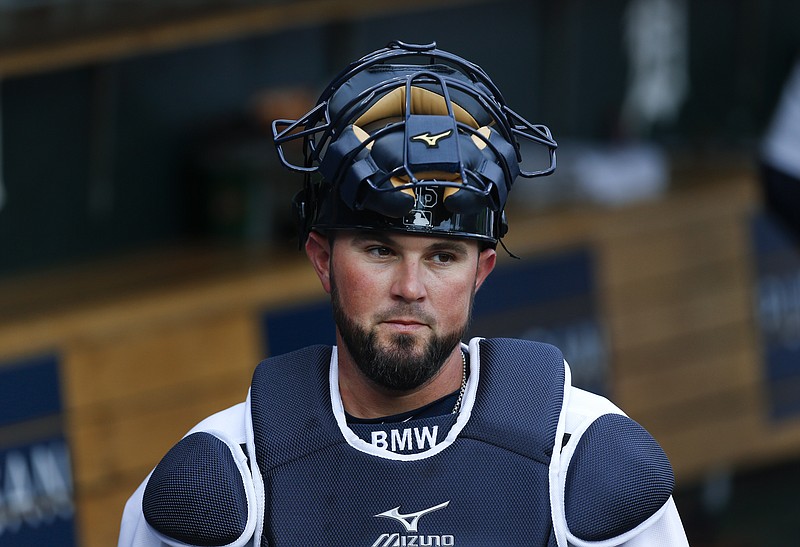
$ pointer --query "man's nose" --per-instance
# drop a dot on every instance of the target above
(409, 282)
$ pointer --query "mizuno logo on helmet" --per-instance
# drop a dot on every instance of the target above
(410, 520)
(432, 141)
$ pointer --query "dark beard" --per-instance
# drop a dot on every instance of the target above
(396, 368)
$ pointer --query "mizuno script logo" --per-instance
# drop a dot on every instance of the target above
(432, 141)
(411, 520)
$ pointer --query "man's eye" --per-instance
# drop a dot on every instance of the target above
(380, 251)
(443, 258)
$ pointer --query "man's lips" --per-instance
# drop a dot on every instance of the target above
(405, 324)
(405, 319)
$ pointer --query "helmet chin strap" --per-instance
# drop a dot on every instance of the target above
(503, 245)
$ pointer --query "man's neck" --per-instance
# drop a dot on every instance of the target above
(362, 398)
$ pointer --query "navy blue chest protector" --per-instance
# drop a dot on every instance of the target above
(489, 487)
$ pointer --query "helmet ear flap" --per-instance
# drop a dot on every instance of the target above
(356, 163)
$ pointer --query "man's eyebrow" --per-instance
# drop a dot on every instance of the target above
(453, 246)
(458, 247)
(367, 237)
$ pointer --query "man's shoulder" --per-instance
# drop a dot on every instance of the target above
(527, 353)
(201, 493)
(229, 423)
(517, 343)
(205, 473)
(314, 351)
(616, 478)
(289, 367)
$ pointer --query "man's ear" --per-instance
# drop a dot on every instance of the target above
(318, 250)
(486, 262)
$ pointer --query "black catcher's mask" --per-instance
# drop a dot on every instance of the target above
(414, 139)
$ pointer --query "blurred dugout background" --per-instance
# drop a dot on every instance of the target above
(147, 259)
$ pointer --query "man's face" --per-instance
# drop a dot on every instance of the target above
(402, 303)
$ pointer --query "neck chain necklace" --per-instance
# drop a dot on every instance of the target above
(463, 383)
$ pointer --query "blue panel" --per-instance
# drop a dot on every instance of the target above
(34, 457)
(41, 509)
(292, 328)
(58, 533)
(777, 312)
(29, 389)
(535, 280)
(548, 298)
(769, 237)
(784, 364)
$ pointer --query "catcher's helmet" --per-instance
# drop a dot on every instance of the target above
(410, 138)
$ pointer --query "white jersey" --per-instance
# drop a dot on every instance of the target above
(781, 146)
(580, 410)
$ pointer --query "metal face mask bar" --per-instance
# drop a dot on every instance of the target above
(429, 147)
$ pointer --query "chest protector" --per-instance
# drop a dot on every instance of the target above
(488, 487)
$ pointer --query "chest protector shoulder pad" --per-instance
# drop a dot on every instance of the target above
(618, 477)
(198, 494)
